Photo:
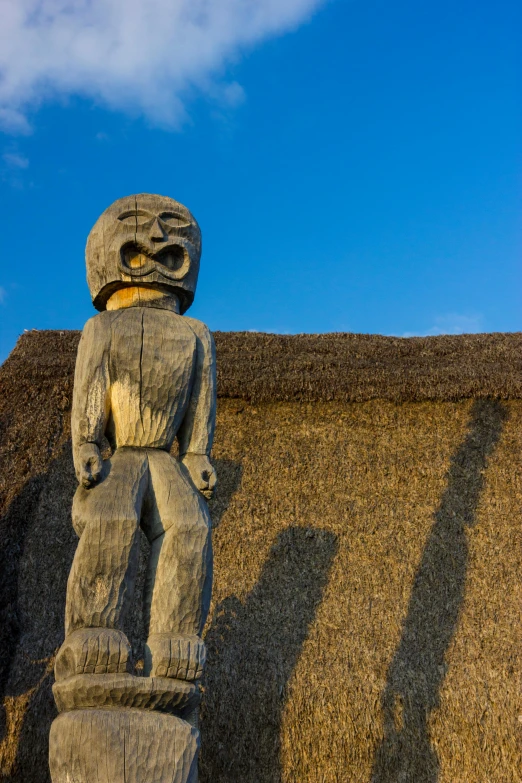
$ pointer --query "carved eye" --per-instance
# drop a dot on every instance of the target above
(134, 217)
(174, 219)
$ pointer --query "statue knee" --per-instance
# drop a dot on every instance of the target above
(96, 507)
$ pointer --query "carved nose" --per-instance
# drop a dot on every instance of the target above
(156, 233)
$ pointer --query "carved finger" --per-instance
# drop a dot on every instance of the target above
(86, 478)
(95, 471)
(96, 468)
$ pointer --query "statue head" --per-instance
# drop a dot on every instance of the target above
(144, 240)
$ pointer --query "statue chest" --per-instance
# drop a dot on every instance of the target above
(153, 352)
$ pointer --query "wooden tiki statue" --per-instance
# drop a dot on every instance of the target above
(145, 376)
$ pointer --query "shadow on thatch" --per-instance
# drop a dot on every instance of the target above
(37, 544)
(229, 478)
(253, 648)
(418, 667)
(13, 530)
(37, 547)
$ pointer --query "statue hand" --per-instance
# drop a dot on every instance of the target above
(90, 461)
(201, 472)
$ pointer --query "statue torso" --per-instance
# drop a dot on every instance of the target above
(151, 365)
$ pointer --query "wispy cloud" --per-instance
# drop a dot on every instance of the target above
(452, 323)
(3, 294)
(12, 119)
(15, 161)
(129, 54)
(13, 168)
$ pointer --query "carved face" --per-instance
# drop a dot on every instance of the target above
(144, 240)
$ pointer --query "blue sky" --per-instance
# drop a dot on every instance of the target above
(353, 166)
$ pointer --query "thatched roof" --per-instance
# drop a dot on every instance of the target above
(365, 622)
(322, 367)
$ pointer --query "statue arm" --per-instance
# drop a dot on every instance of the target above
(90, 408)
(197, 429)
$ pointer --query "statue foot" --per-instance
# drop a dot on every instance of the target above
(126, 691)
(93, 651)
(175, 655)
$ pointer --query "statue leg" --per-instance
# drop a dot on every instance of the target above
(179, 582)
(103, 573)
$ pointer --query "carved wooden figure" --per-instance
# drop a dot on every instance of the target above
(145, 375)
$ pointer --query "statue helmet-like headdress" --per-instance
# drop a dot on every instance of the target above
(145, 240)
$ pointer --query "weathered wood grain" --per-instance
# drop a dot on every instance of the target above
(122, 746)
(97, 691)
(147, 240)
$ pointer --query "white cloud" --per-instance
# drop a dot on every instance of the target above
(138, 55)
(15, 161)
(12, 119)
(452, 323)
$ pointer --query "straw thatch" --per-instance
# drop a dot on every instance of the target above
(365, 623)
(359, 367)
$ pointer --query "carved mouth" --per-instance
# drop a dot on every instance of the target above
(171, 261)
(172, 257)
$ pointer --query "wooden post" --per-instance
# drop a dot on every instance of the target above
(145, 376)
